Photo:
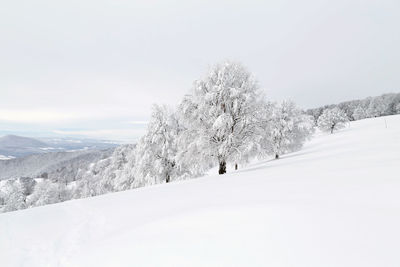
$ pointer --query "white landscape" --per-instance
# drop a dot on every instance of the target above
(335, 202)
(213, 133)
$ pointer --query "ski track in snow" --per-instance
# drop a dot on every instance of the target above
(336, 202)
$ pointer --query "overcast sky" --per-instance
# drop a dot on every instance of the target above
(94, 67)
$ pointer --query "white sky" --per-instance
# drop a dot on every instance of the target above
(95, 67)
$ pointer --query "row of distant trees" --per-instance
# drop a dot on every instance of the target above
(370, 107)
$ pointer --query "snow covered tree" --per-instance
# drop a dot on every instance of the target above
(13, 196)
(315, 113)
(397, 108)
(285, 128)
(376, 107)
(220, 111)
(157, 150)
(359, 113)
(111, 174)
(332, 119)
(45, 192)
(122, 166)
(394, 104)
(27, 185)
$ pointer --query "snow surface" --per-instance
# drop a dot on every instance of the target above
(334, 203)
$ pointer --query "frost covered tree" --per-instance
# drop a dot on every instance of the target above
(13, 196)
(285, 128)
(315, 113)
(397, 109)
(2, 200)
(359, 113)
(120, 173)
(393, 104)
(220, 112)
(46, 192)
(27, 192)
(111, 174)
(332, 119)
(158, 149)
(377, 107)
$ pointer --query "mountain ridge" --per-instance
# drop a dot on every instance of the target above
(16, 146)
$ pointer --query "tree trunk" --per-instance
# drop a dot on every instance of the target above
(236, 166)
(167, 178)
(276, 156)
(222, 167)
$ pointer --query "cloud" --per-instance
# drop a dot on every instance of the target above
(124, 135)
(138, 122)
(36, 116)
(84, 122)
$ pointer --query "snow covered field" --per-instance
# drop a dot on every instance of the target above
(334, 203)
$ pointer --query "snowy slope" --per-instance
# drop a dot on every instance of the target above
(334, 203)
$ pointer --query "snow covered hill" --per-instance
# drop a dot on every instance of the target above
(12, 146)
(62, 166)
(334, 203)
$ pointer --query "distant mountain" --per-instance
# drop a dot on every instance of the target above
(73, 144)
(17, 146)
(60, 166)
(12, 141)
